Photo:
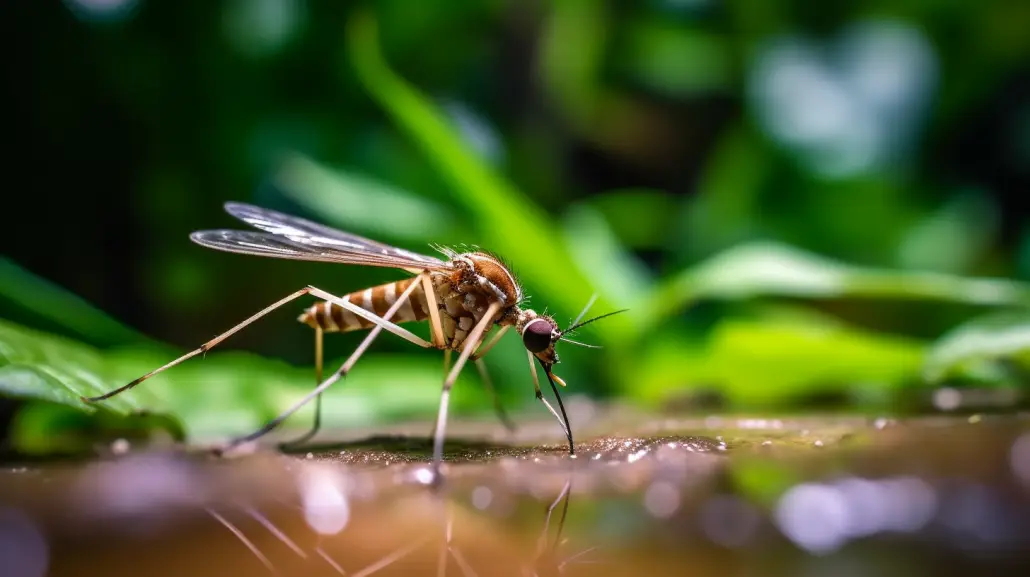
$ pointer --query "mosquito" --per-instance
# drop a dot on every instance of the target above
(462, 298)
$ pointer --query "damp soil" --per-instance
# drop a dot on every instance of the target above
(716, 495)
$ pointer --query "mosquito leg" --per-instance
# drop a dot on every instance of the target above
(546, 561)
(441, 560)
(540, 396)
(275, 531)
(450, 547)
(564, 495)
(381, 323)
(489, 386)
(561, 406)
(471, 341)
(392, 558)
(487, 382)
(243, 539)
(204, 347)
(435, 326)
(493, 341)
(318, 400)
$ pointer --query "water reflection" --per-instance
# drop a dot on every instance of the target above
(325, 504)
(938, 495)
(23, 547)
(730, 521)
(822, 517)
(243, 538)
(546, 560)
(542, 558)
(1019, 456)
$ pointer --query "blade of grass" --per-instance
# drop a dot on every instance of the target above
(505, 217)
(771, 269)
(60, 308)
(355, 201)
(996, 336)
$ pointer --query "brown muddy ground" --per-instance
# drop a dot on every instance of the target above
(721, 496)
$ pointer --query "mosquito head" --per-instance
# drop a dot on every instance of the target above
(539, 334)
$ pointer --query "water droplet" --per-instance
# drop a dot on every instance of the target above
(729, 521)
(120, 446)
(326, 509)
(23, 546)
(423, 475)
(814, 517)
(947, 399)
(482, 497)
(1019, 458)
(662, 499)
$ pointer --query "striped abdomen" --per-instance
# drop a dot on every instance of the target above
(331, 317)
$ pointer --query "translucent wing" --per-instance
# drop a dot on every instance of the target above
(310, 233)
(294, 227)
(269, 245)
(294, 238)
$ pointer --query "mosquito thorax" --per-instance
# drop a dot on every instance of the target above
(480, 271)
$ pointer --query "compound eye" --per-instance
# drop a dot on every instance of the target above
(537, 335)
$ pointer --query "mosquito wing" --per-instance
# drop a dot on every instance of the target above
(325, 243)
(275, 246)
(295, 227)
(290, 237)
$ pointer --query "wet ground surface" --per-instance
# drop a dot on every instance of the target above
(945, 495)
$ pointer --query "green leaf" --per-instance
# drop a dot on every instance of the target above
(969, 347)
(638, 217)
(507, 220)
(670, 58)
(215, 396)
(772, 269)
(40, 300)
(39, 366)
(777, 360)
(726, 207)
(358, 202)
(603, 258)
(761, 480)
(572, 54)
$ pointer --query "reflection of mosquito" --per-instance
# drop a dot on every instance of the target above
(547, 561)
(462, 298)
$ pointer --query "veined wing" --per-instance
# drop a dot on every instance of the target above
(313, 235)
(295, 227)
(277, 246)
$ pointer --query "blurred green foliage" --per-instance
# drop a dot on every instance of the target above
(791, 199)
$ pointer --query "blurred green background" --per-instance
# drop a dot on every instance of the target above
(801, 203)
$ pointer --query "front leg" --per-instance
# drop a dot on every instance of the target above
(441, 419)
